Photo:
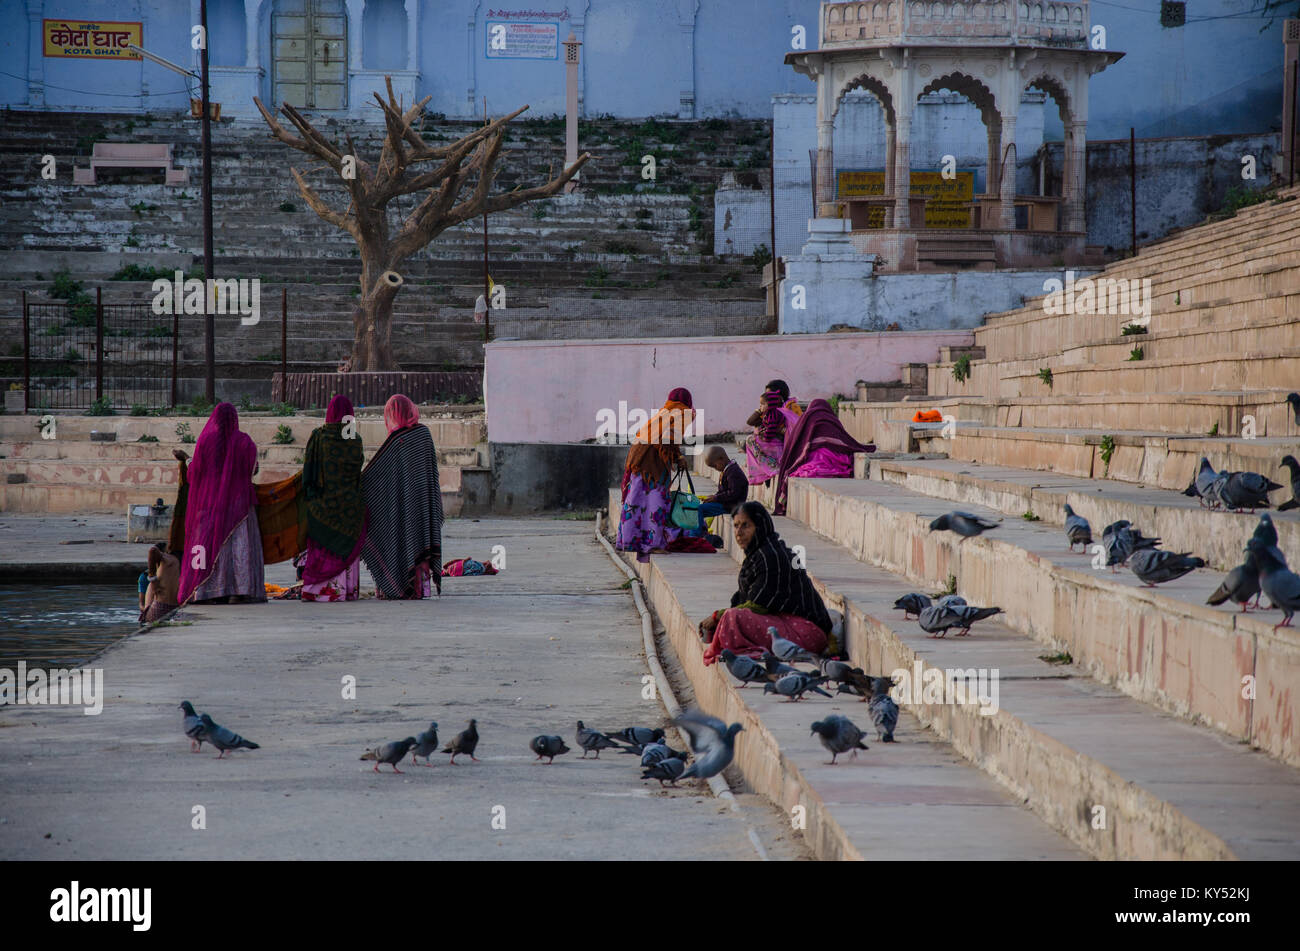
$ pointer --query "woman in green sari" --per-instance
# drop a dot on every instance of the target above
(336, 508)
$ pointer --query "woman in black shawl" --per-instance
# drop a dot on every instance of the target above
(336, 509)
(403, 549)
(772, 592)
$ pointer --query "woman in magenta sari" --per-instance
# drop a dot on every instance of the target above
(775, 417)
(819, 447)
(336, 507)
(223, 547)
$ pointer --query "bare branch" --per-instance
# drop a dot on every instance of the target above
(317, 204)
(465, 210)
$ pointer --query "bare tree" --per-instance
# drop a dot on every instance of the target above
(470, 160)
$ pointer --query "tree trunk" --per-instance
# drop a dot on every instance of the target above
(372, 342)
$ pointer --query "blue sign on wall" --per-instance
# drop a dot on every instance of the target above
(513, 40)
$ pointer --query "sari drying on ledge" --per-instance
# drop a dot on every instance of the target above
(404, 501)
(281, 518)
(335, 522)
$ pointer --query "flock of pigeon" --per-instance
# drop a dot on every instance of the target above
(775, 672)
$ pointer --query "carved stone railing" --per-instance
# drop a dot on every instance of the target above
(963, 21)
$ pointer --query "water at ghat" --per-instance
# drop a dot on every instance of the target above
(62, 625)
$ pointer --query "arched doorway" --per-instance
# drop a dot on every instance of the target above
(309, 61)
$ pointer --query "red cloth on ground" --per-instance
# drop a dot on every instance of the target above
(695, 546)
(745, 632)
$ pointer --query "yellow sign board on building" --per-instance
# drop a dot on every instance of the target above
(945, 209)
(99, 39)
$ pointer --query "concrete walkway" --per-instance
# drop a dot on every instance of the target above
(551, 640)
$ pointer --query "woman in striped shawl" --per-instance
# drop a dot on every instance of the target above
(403, 547)
(771, 593)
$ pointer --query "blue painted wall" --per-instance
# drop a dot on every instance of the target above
(1219, 73)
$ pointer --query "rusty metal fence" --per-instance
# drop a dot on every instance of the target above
(85, 351)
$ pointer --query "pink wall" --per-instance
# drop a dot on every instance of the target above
(552, 390)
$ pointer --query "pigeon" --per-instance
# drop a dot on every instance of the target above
(745, 669)
(794, 686)
(849, 689)
(224, 739)
(963, 523)
(593, 741)
(838, 735)
(953, 599)
(712, 741)
(193, 726)
(1077, 529)
(838, 671)
(775, 669)
(1280, 583)
(912, 604)
(1294, 400)
(1266, 531)
(1121, 540)
(1247, 490)
(464, 744)
(638, 736)
(789, 651)
(666, 771)
(1241, 585)
(658, 752)
(1205, 485)
(426, 743)
(1155, 566)
(391, 753)
(548, 746)
(884, 711)
(1294, 468)
(938, 618)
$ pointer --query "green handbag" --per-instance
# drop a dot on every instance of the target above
(686, 505)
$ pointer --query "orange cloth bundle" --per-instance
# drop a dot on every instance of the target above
(928, 416)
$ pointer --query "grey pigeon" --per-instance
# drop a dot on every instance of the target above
(789, 651)
(549, 746)
(938, 618)
(1155, 566)
(883, 709)
(1241, 585)
(964, 524)
(848, 688)
(1294, 400)
(224, 739)
(912, 604)
(390, 753)
(1077, 529)
(745, 669)
(1204, 485)
(1294, 468)
(1120, 540)
(1280, 583)
(838, 671)
(839, 735)
(193, 726)
(666, 771)
(464, 744)
(426, 743)
(657, 752)
(775, 669)
(948, 599)
(638, 736)
(593, 741)
(794, 686)
(1247, 490)
(712, 741)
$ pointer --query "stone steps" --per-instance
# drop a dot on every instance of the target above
(1062, 741)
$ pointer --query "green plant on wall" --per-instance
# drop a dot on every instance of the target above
(961, 368)
(1107, 451)
(1045, 374)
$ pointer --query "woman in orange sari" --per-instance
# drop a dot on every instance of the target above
(645, 523)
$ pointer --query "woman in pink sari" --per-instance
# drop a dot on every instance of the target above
(772, 421)
(819, 447)
(336, 507)
(222, 560)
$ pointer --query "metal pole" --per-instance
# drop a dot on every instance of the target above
(209, 328)
(284, 343)
(27, 354)
(99, 343)
(1295, 87)
(487, 316)
(776, 285)
(1132, 190)
(176, 345)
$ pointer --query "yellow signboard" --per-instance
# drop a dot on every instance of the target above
(945, 209)
(97, 40)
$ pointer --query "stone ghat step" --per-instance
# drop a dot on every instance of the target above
(1201, 372)
(1060, 743)
(463, 427)
(1184, 414)
(1162, 646)
(65, 499)
(1182, 523)
(912, 799)
(1154, 459)
(45, 452)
